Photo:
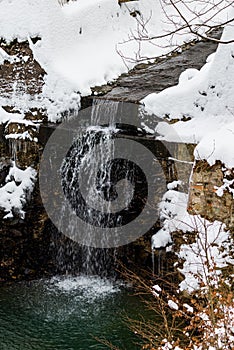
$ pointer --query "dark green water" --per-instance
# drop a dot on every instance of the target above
(67, 313)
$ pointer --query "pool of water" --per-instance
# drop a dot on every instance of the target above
(67, 313)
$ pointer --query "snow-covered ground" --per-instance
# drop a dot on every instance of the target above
(206, 98)
(85, 43)
(79, 44)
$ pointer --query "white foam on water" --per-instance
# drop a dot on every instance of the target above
(82, 297)
(90, 287)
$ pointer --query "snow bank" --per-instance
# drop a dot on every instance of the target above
(205, 97)
(161, 239)
(84, 43)
(218, 145)
(78, 44)
(14, 194)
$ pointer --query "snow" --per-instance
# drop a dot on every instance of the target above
(188, 308)
(22, 136)
(212, 245)
(205, 258)
(173, 215)
(5, 57)
(15, 193)
(77, 47)
(227, 185)
(218, 145)
(172, 305)
(17, 118)
(157, 288)
(5, 116)
(83, 44)
(161, 239)
(174, 184)
(202, 262)
(224, 327)
(168, 345)
(206, 98)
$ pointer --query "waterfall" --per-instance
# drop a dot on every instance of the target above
(100, 180)
(90, 155)
(95, 261)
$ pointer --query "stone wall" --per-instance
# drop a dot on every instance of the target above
(203, 197)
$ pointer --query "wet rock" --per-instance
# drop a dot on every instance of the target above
(25, 246)
(145, 79)
(5, 164)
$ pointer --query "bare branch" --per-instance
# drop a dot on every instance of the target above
(200, 18)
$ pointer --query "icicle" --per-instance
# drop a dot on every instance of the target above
(153, 261)
(159, 262)
(13, 149)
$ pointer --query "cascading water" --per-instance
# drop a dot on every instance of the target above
(81, 155)
(89, 176)
(101, 178)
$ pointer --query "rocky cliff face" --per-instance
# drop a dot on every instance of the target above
(24, 240)
(211, 192)
(21, 80)
(29, 243)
